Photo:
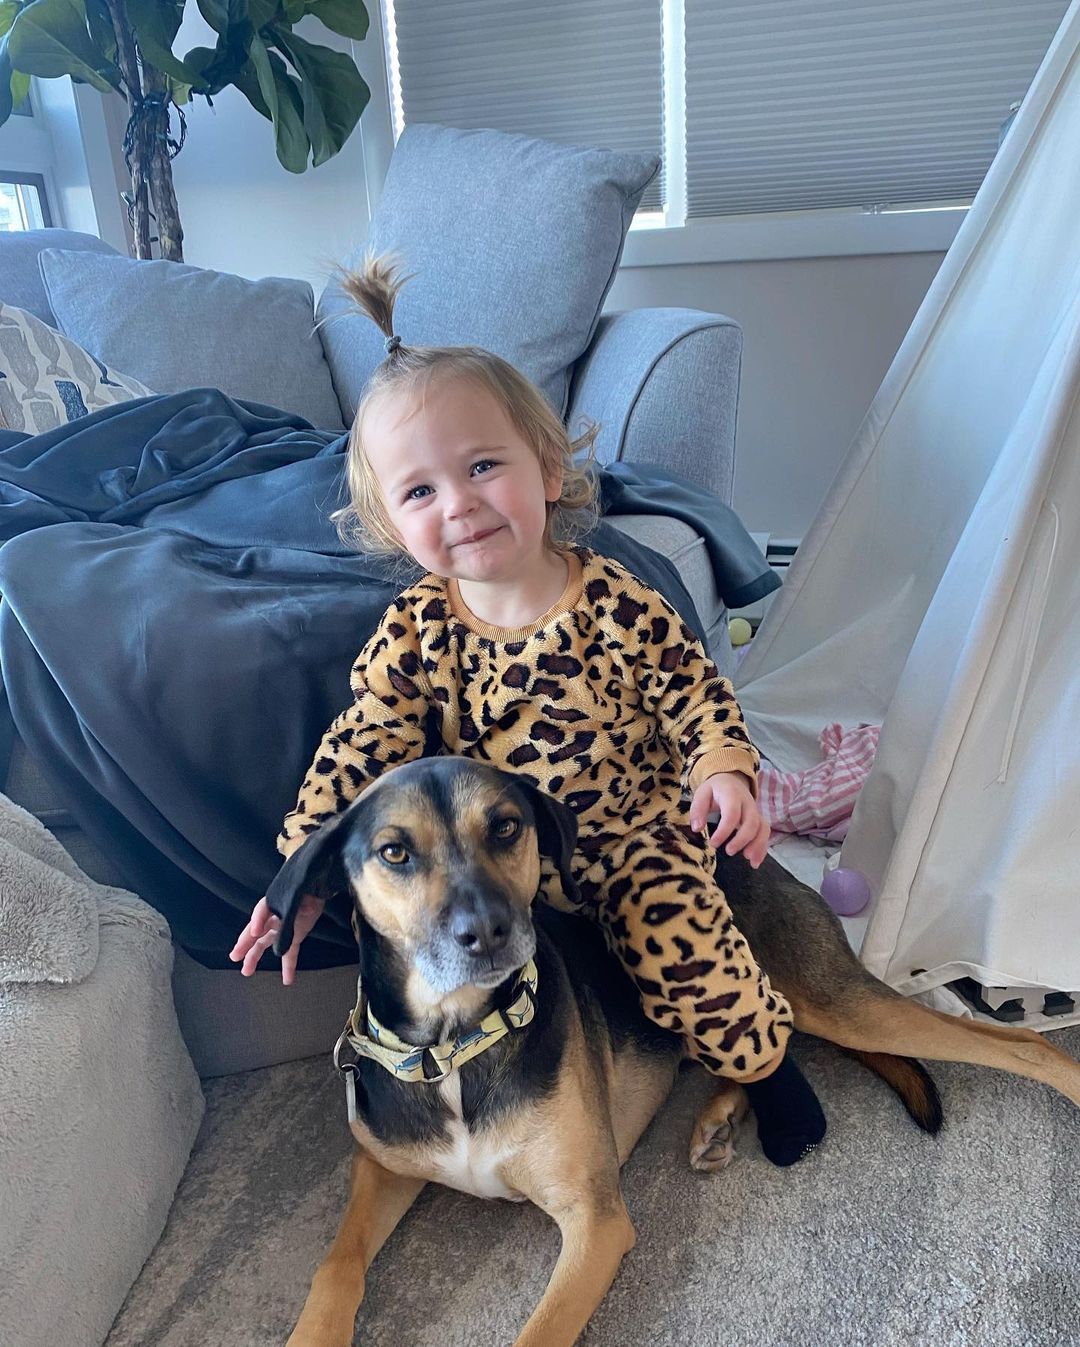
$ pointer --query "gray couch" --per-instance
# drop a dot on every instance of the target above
(662, 383)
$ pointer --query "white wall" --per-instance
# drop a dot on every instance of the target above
(241, 211)
(819, 334)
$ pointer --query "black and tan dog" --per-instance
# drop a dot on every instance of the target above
(544, 1071)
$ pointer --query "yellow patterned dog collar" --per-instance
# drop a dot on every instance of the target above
(429, 1065)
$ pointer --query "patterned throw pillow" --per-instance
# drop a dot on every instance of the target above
(46, 380)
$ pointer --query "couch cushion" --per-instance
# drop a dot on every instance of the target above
(20, 279)
(512, 244)
(47, 380)
(177, 327)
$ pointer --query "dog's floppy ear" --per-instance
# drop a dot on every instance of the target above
(556, 834)
(315, 867)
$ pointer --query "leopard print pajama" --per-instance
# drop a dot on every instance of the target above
(610, 704)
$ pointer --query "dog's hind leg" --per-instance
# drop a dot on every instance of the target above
(377, 1202)
(800, 943)
(881, 1021)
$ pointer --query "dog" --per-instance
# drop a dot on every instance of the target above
(545, 1071)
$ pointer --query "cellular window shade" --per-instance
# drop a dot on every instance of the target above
(578, 73)
(809, 104)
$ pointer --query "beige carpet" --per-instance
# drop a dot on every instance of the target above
(884, 1238)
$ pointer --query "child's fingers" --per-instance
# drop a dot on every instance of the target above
(243, 944)
(745, 834)
(759, 848)
(259, 914)
(288, 964)
(728, 824)
(258, 949)
(251, 932)
(699, 808)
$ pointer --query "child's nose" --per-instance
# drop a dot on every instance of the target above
(459, 500)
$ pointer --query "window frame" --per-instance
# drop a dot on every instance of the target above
(800, 234)
(15, 178)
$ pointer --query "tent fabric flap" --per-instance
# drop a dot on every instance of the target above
(938, 591)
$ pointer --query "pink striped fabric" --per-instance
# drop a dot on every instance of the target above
(819, 802)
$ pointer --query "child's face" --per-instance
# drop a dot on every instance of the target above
(461, 486)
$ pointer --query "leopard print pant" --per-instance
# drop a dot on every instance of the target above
(656, 898)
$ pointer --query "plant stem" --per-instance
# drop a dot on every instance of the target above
(129, 68)
(170, 232)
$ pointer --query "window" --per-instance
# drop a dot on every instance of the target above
(578, 71)
(811, 111)
(816, 104)
(23, 203)
(26, 160)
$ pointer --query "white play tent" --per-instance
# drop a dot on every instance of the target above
(938, 593)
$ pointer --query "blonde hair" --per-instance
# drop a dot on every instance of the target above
(364, 523)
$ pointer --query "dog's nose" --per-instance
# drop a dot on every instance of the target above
(481, 928)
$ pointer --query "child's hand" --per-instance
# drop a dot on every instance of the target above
(262, 930)
(740, 818)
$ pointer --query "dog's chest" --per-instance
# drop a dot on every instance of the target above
(469, 1161)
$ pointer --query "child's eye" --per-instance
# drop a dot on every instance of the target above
(418, 492)
(484, 465)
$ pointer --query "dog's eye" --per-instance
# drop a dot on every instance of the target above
(506, 828)
(394, 853)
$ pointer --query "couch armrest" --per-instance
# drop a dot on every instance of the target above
(664, 386)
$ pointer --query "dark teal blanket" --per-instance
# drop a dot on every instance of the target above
(178, 623)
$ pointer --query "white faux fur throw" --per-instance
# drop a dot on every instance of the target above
(48, 907)
(99, 1101)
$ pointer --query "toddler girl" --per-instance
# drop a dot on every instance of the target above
(549, 660)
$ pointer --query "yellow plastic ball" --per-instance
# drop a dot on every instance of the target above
(740, 631)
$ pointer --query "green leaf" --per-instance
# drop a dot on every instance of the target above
(8, 11)
(201, 61)
(248, 84)
(155, 24)
(262, 12)
(347, 17)
(332, 89)
(20, 87)
(224, 16)
(14, 85)
(49, 39)
(264, 75)
(7, 75)
(282, 97)
(179, 92)
(102, 32)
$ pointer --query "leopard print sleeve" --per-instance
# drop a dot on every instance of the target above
(383, 726)
(699, 718)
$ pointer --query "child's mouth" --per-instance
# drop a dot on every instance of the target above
(477, 537)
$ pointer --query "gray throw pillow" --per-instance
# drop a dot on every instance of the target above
(20, 280)
(513, 244)
(175, 327)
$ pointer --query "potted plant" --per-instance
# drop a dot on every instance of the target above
(312, 94)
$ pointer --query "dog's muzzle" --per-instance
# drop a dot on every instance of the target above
(477, 939)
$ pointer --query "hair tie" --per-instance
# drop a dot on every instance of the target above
(391, 344)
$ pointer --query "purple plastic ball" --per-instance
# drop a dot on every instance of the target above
(846, 891)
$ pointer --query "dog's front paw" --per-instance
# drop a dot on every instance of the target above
(312, 1332)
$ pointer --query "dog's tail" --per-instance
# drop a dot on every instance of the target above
(911, 1081)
